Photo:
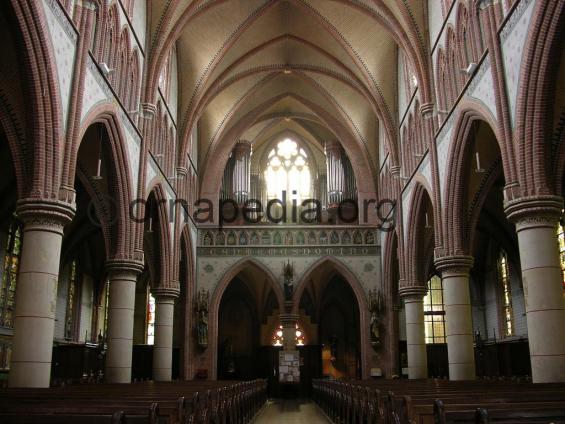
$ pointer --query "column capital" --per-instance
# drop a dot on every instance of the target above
(427, 109)
(416, 292)
(42, 213)
(534, 211)
(124, 265)
(165, 292)
(149, 109)
(454, 264)
(395, 170)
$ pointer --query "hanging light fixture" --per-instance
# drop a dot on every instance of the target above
(478, 170)
(98, 175)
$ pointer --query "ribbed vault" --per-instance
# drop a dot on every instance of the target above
(319, 69)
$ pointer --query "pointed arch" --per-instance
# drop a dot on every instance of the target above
(460, 156)
(360, 296)
(221, 287)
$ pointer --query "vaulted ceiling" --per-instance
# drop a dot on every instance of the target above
(318, 69)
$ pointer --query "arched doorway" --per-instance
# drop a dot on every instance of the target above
(249, 296)
(238, 332)
(332, 309)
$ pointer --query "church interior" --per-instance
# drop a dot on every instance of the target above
(282, 211)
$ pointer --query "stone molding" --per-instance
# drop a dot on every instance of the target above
(534, 211)
(411, 292)
(45, 214)
(165, 292)
(124, 266)
(454, 264)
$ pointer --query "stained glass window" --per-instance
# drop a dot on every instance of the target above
(10, 274)
(288, 170)
(434, 312)
(506, 292)
(150, 319)
(70, 316)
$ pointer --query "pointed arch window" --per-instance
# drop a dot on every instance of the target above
(434, 312)
(9, 274)
(506, 295)
(72, 312)
(150, 319)
(288, 169)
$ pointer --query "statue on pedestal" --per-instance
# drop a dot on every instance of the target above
(201, 309)
(288, 275)
(376, 307)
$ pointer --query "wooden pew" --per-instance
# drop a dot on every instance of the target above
(363, 402)
(181, 402)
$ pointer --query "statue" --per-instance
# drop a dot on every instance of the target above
(202, 318)
(376, 306)
(288, 274)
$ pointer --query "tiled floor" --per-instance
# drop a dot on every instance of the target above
(290, 412)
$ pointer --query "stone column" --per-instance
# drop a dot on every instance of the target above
(36, 296)
(536, 224)
(415, 331)
(122, 275)
(163, 347)
(458, 315)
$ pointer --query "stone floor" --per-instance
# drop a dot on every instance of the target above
(290, 412)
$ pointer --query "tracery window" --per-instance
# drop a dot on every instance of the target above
(10, 273)
(288, 170)
(434, 312)
(506, 295)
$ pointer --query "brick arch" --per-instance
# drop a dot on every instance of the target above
(535, 97)
(121, 238)
(187, 367)
(360, 296)
(110, 46)
(460, 156)
(164, 243)
(41, 86)
(216, 299)
(419, 244)
(391, 287)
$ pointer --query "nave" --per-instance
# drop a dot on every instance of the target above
(288, 411)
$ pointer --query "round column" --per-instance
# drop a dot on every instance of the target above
(36, 295)
(536, 225)
(458, 315)
(415, 331)
(123, 278)
(163, 347)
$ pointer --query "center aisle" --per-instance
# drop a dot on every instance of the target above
(290, 412)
